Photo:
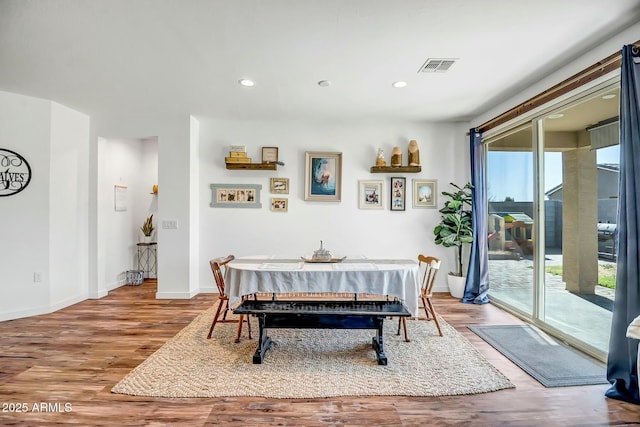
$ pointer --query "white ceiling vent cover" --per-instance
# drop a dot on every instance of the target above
(437, 65)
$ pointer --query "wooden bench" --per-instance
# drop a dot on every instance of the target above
(321, 315)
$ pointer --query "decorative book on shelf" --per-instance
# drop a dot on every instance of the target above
(255, 166)
(237, 159)
(393, 169)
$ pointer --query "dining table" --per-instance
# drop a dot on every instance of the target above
(286, 275)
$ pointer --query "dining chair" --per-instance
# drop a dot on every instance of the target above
(218, 267)
(430, 266)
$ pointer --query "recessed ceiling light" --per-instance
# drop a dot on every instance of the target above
(609, 96)
(324, 83)
(555, 116)
(399, 84)
(246, 82)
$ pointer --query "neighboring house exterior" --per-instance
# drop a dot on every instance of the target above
(608, 174)
(523, 211)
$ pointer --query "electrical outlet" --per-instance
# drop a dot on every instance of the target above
(37, 277)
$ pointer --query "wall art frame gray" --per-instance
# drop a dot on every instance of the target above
(236, 196)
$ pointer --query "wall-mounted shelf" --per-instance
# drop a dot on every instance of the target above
(254, 166)
(393, 169)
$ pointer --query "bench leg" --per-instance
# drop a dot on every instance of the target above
(264, 342)
(378, 342)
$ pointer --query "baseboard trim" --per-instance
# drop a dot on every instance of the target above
(98, 294)
(176, 295)
(37, 311)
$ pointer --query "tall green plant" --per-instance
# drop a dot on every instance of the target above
(455, 227)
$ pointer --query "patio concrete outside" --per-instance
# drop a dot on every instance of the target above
(511, 281)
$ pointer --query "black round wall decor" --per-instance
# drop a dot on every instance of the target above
(15, 173)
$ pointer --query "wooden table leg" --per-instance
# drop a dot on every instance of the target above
(264, 342)
(378, 342)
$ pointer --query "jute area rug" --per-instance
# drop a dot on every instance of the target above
(313, 363)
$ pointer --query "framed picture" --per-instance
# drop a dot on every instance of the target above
(120, 198)
(424, 193)
(323, 177)
(269, 154)
(280, 185)
(279, 204)
(370, 194)
(398, 193)
(235, 196)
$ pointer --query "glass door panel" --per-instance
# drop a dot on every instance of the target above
(510, 187)
(580, 208)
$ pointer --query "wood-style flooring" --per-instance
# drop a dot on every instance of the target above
(59, 368)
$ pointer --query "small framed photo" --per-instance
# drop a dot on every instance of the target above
(370, 194)
(269, 154)
(424, 193)
(398, 193)
(323, 177)
(280, 185)
(235, 196)
(120, 198)
(279, 204)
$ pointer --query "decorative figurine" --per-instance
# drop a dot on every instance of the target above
(321, 254)
(414, 153)
(380, 161)
(396, 157)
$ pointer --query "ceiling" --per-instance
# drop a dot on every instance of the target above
(595, 109)
(154, 58)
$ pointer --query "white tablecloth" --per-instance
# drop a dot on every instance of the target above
(397, 278)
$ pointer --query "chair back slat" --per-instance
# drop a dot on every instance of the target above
(431, 266)
(218, 267)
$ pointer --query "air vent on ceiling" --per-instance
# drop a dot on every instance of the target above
(437, 65)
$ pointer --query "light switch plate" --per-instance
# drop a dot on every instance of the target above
(169, 224)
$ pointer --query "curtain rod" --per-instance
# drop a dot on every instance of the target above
(600, 68)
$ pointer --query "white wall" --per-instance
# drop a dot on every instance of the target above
(194, 214)
(44, 227)
(25, 128)
(344, 228)
(68, 201)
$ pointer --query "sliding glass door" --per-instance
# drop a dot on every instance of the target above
(552, 185)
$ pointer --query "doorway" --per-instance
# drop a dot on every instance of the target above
(127, 172)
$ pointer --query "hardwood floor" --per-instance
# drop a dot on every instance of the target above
(60, 367)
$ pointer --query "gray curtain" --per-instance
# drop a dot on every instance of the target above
(476, 289)
(621, 363)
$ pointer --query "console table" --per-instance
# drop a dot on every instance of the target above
(148, 258)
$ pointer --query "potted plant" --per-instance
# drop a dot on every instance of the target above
(454, 230)
(147, 228)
